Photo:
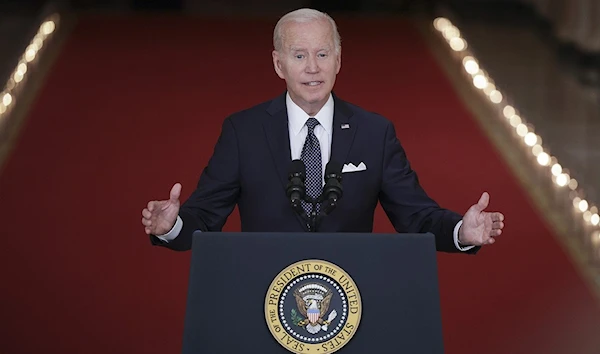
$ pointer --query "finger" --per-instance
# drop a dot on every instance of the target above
(146, 222)
(497, 225)
(146, 213)
(147, 230)
(175, 193)
(495, 233)
(491, 241)
(150, 206)
(497, 217)
(483, 202)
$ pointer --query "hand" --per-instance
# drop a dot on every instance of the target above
(480, 227)
(160, 215)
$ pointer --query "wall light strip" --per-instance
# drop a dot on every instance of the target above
(28, 60)
(525, 132)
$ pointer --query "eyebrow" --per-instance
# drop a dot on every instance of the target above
(298, 49)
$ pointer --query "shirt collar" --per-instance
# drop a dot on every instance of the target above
(297, 117)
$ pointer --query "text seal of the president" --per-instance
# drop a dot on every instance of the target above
(313, 306)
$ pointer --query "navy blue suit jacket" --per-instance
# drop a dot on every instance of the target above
(250, 167)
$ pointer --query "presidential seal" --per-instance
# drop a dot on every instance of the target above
(313, 306)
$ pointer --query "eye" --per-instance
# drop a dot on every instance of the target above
(299, 56)
(322, 55)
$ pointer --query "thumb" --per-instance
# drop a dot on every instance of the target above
(175, 193)
(483, 202)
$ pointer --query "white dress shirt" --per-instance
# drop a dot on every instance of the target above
(298, 131)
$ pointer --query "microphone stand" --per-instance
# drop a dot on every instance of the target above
(314, 219)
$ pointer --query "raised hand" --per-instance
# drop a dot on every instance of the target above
(480, 227)
(159, 216)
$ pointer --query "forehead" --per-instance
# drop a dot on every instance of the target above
(308, 35)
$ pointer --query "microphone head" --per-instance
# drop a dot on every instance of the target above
(298, 169)
(332, 191)
(333, 169)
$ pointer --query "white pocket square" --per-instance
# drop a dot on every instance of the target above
(349, 167)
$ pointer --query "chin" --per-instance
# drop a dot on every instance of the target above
(316, 97)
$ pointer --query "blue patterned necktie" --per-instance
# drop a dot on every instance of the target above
(311, 156)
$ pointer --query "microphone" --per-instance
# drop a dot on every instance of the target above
(332, 191)
(296, 190)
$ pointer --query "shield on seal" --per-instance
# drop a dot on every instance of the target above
(313, 314)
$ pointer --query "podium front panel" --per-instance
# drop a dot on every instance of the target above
(231, 275)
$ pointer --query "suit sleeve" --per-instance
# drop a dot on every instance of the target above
(216, 194)
(407, 205)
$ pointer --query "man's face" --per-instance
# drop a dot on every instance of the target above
(308, 63)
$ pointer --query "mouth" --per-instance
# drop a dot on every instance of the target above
(313, 83)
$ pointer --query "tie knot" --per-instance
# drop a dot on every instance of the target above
(311, 123)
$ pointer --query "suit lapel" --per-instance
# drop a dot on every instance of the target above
(344, 129)
(277, 135)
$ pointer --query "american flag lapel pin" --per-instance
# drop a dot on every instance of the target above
(345, 126)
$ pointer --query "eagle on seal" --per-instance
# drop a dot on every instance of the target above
(313, 302)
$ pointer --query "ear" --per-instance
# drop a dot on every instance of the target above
(277, 64)
(338, 62)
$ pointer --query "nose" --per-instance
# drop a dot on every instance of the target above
(312, 66)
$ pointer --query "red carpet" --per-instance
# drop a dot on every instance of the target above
(134, 105)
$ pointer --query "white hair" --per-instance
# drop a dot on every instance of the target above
(303, 16)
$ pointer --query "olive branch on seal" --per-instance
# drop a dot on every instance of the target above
(296, 319)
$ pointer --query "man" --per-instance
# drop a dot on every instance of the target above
(252, 157)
